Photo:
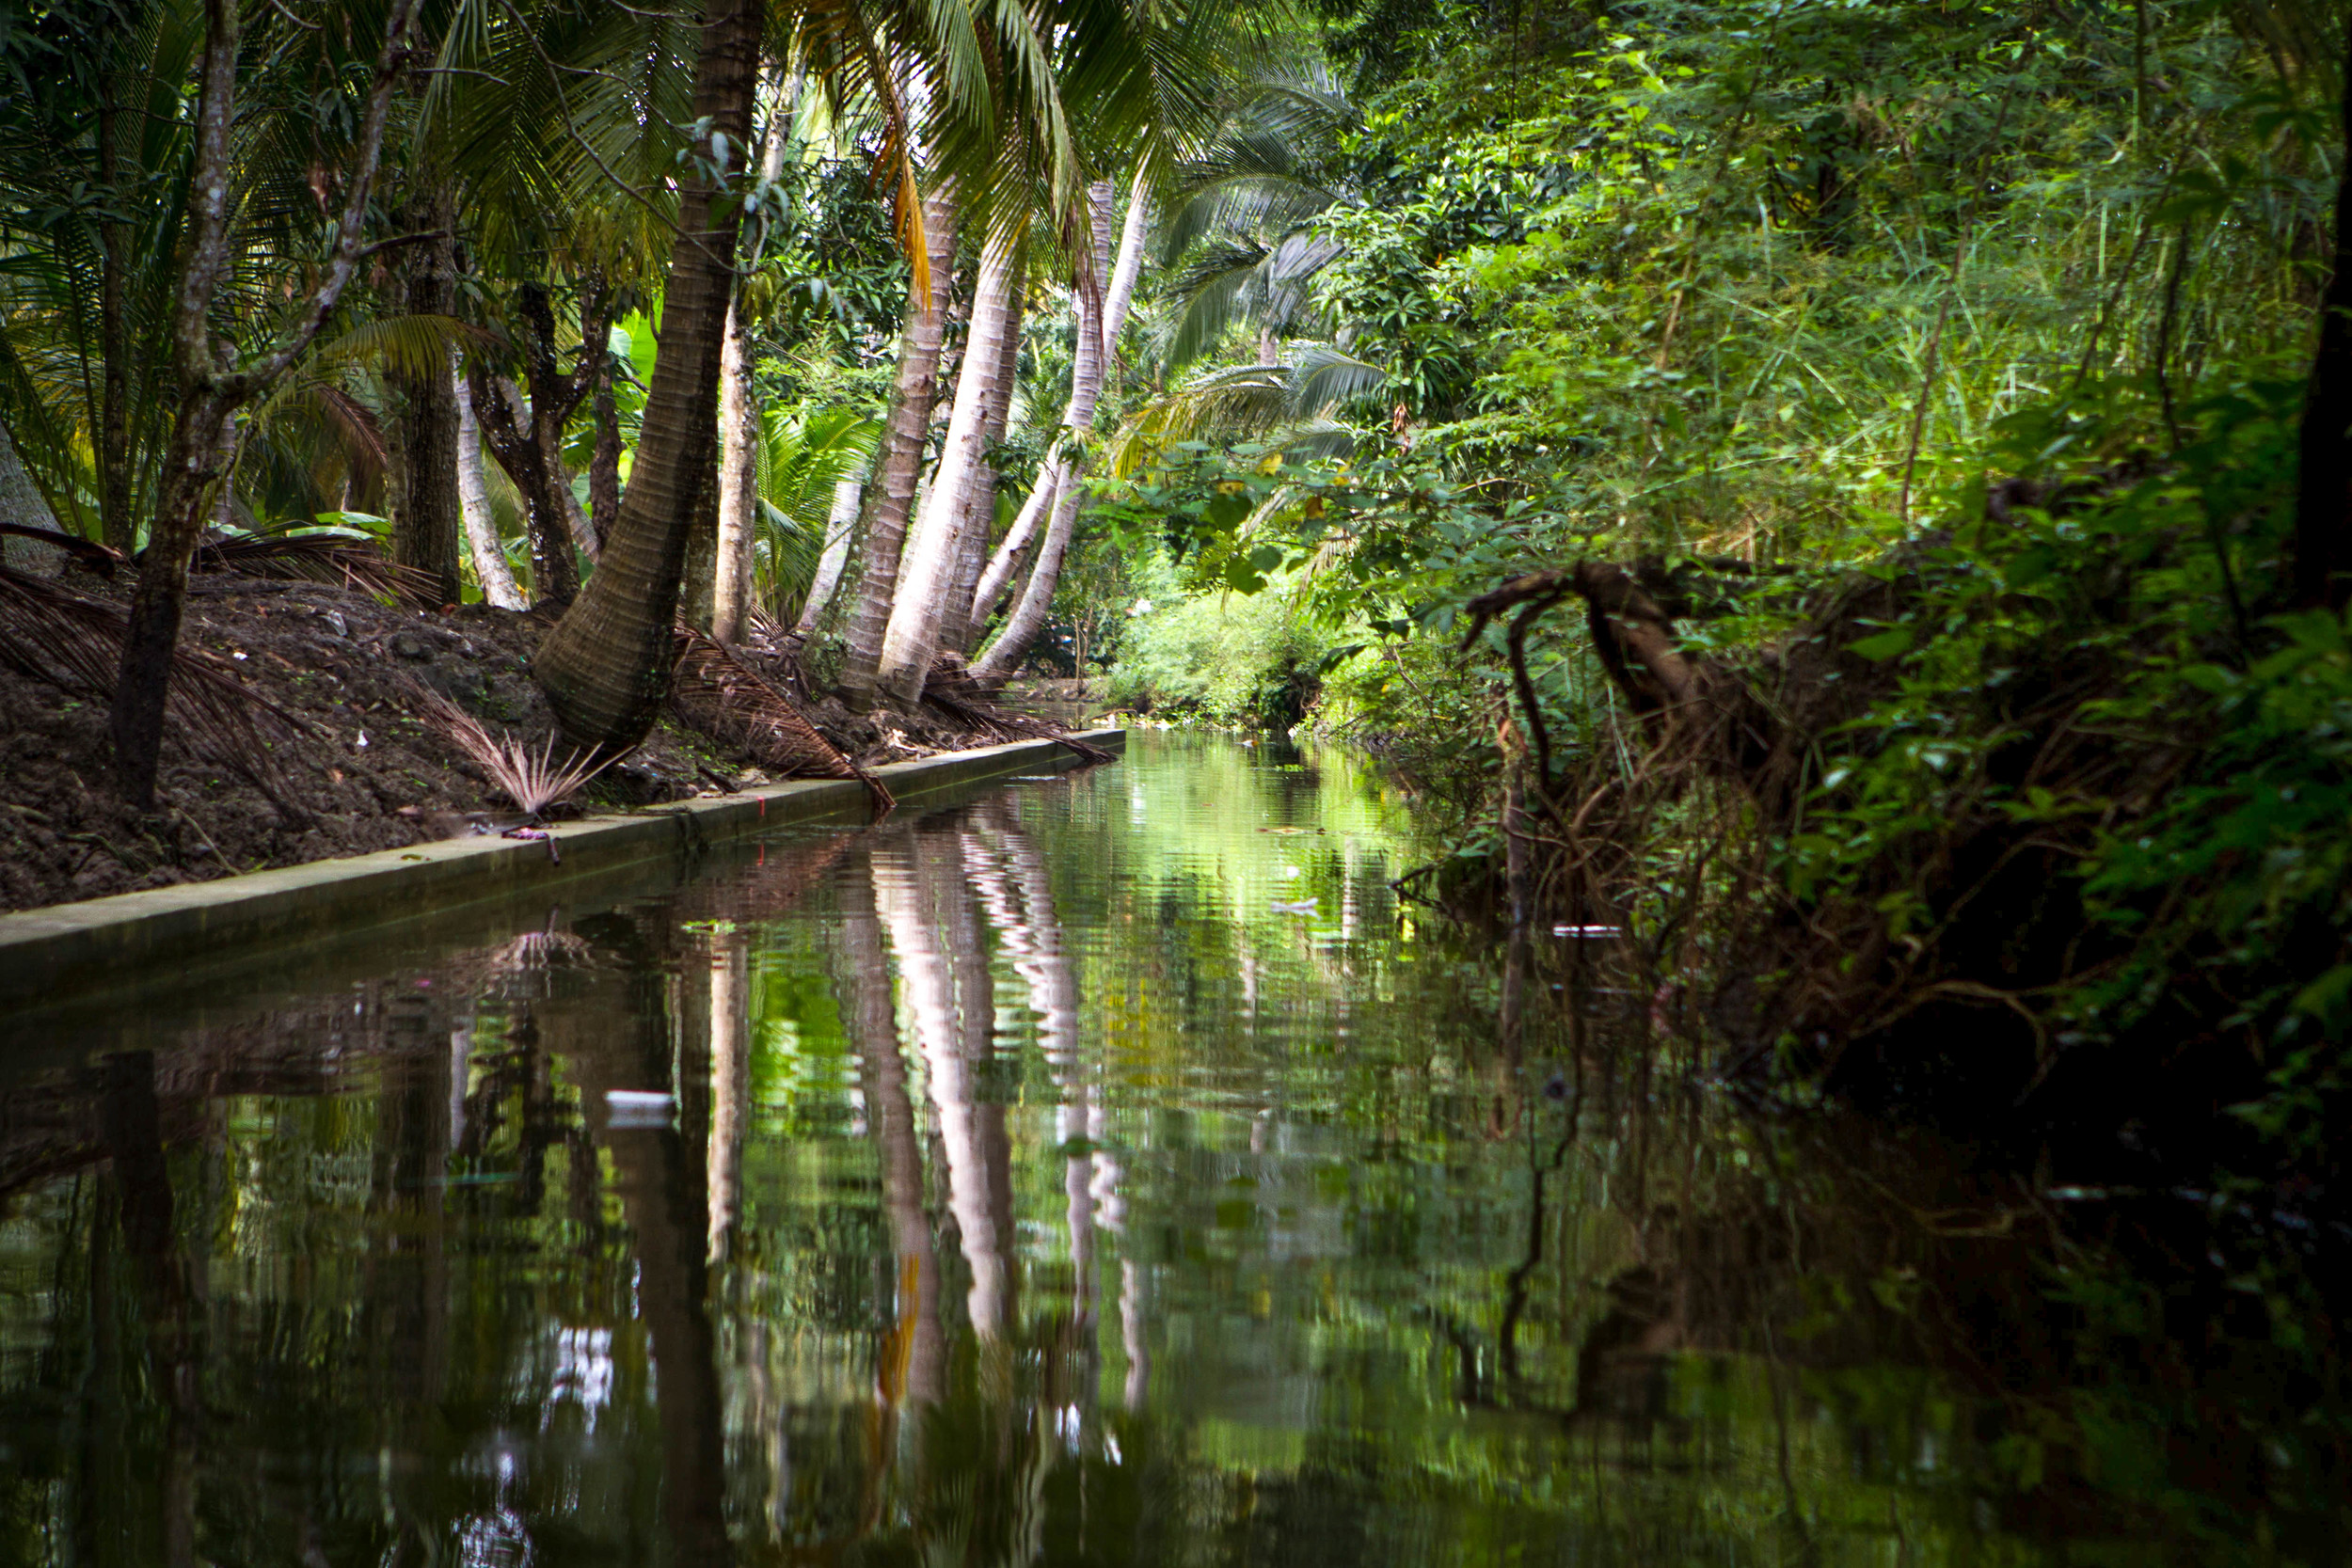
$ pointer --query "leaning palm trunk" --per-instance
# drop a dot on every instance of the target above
(606, 667)
(898, 465)
(473, 502)
(209, 391)
(1132, 235)
(1028, 619)
(935, 548)
(980, 502)
(838, 526)
(1003, 567)
(739, 435)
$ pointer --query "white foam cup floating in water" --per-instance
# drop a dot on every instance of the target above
(637, 1108)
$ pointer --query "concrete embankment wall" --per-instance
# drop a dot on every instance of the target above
(171, 938)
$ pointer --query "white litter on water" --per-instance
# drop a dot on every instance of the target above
(638, 1108)
(1588, 930)
(1301, 906)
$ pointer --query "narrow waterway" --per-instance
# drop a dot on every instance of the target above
(1106, 1169)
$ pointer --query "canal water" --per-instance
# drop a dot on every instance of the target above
(1110, 1168)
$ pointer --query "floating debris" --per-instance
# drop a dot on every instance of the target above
(638, 1108)
(1296, 906)
(1588, 930)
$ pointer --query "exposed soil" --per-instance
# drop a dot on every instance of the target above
(363, 773)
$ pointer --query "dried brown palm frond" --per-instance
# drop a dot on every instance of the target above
(60, 638)
(775, 650)
(955, 695)
(337, 560)
(87, 552)
(534, 781)
(719, 694)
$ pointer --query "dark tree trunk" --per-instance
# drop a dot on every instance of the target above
(117, 526)
(426, 527)
(209, 392)
(2323, 513)
(606, 668)
(529, 444)
(604, 467)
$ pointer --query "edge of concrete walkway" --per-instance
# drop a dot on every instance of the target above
(48, 953)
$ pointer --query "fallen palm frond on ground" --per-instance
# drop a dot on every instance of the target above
(338, 560)
(534, 781)
(952, 691)
(75, 645)
(719, 693)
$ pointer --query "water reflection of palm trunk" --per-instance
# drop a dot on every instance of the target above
(1007, 872)
(616, 1032)
(730, 1082)
(914, 1364)
(133, 1130)
(907, 879)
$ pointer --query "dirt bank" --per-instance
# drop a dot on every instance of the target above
(350, 767)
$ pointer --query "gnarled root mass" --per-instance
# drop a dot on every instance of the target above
(1922, 972)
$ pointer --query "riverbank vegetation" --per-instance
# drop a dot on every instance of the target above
(1851, 494)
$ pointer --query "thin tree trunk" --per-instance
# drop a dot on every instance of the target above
(935, 548)
(2323, 510)
(1133, 235)
(606, 667)
(702, 551)
(1027, 620)
(604, 466)
(116, 525)
(838, 526)
(738, 432)
(425, 528)
(1003, 567)
(979, 503)
(208, 392)
(739, 485)
(899, 464)
(473, 499)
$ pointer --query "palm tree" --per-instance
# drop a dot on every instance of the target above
(605, 668)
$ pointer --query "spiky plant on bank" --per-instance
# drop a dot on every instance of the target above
(534, 781)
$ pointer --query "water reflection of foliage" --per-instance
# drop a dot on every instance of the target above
(1038, 1192)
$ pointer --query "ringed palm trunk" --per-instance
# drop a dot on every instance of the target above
(1028, 619)
(474, 501)
(1132, 235)
(936, 548)
(899, 464)
(1004, 566)
(739, 434)
(838, 526)
(606, 667)
(979, 504)
(739, 485)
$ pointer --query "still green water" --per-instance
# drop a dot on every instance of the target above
(1108, 1169)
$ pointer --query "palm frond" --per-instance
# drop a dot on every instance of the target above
(534, 781)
